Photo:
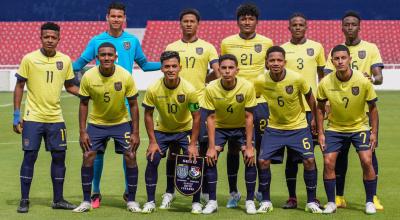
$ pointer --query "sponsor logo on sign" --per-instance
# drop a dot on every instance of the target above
(195, 172)
(182, 171)
(188, 175)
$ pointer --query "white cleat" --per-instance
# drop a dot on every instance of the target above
(167, 199)
(204, 198)
(251, 207)
(370, 208)
(149, 207)
(330, 208)
(265, 207)
(197, 208)
(212, 206)
(85, 206)
(133, 206)
(313, 207)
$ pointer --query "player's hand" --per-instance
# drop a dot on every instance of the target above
(368, 77)
(372, 141)
(84, 141)
(193, 152)
(212, 156)
(248, 155)
(17, 124)
(152, 149)
(314, 126)
(134, 141)
(321, 140)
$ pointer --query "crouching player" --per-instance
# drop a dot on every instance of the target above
(107, 85)
(287, 125)
(229, 102)
(176, 102)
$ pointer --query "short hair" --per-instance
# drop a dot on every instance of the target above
(340, 47)
(166, 55)
(189, 11)
(276, 49)
(116, 5)
(352, 14)
(107, 44)
(247, 9)
(227, 57)
(297, 14)
(50, 26)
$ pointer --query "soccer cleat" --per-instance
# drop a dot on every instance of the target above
(85, 206)
(291, 203)
(330, 208)
(96, 200)
(265, 207)
(251, 207)
(149, 207)
(23, 206)
(133, 206)
(370, 208)
(377, 203)
(233, 200)
(63, 204)
(204, 197)
(313, 207)
(340, 202)
(197, 208)
(167, 200)
(212, 206)
(258, 196)
(125, 196)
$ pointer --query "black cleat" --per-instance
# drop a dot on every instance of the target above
(63, 204)
(23, 206)
(125, 196)
(291, 203)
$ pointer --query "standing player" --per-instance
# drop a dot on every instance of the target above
(287, 125)
(250, 49)
(229, 102)
(108, 85)
(366, 59)
(195, 55)
(128, 51)
(306, 57)
(347, 91)
(45, 72)
(176, 102)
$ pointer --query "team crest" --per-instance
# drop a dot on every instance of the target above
(181, 98)
(310, 52)
(26, 142)
(355, 90)
(59, 65)
(362, 54)
(289, 89)
(195, 172)
(188, 174)
(199, 50)
(127, 45)
(182, 171)
(258, 48)
(118, 86)
(239, 98)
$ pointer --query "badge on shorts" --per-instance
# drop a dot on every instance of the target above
(188, 175)
(118, 86)
(199, 50)
(59, 65)
(355, 90)
(181, 98)
(127, 45)
(26, 142)
(362, 54)
(310, 52)
(289, 89)
(258, 48)
(239, 98)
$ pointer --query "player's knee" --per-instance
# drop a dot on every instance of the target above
(58, 157)
(30, 158)
(88, 158)
(156, 159)
(264, 164)
(309, 164)
(130, 159)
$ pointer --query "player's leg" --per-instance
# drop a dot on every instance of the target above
(291, 170)
(232, 168)
(97, 172)
(377, 202)
(203, 145)
(169, 194)
(341, 170)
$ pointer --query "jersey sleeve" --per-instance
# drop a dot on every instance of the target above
(371, 94)
(84, 88)
(376, 59)
(207, 101)
(321, 96)
(89, 53)
(148, 101)
(131, 90)
(193, 101)
(304, 87)
(321, 56)
(23, 70)
(223, 47)
(251, 100)
(70, 73)
(329, 65)
(213, 55)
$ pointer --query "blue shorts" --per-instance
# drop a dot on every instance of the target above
(275, 140)
(54, 135)
(261, 115)
(236, 136)
(203, 135)
(339, 141)
(100, 134)
(166, 139)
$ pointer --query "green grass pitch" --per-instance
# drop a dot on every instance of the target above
(112, 184)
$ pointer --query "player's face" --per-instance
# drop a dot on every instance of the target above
(189, 24)
(50, 39)
(116, 18)
(298, 27)
(276, 62)
(350, 27)
(228, 70)
(171, 68)
(106, 57)
(247, 24)
(341, 60)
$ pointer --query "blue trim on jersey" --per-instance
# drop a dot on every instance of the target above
(372, 101)
(209, 112)
(377, 65)
(20, 78)
(147, 106)
(327, 71)
(133, 97)
(213, 61)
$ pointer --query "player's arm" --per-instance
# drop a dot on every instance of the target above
(148, 121)
(71, 88)
(311, 102)
(193, 150)
(374, 118)
(320, 72)
(377, 75)
(18, 93)
(248, 154)
(83, 113)
(320, 123)
(212, 154)
(141, 60)
(214, 73)
(134, 111)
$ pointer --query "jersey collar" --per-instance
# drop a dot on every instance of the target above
(252, 37)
